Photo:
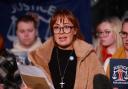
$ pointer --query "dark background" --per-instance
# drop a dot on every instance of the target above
(8, 14)
(88, 12)
(107, 8)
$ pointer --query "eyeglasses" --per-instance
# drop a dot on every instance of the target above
(123, 34)
(66, 29)
(105, 33)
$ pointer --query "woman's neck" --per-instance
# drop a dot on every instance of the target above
(66, 47)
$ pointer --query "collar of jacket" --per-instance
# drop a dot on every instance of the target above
(17, 47)
(82, 49)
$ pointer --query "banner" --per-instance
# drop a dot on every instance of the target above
(119, 73)
(11, 10)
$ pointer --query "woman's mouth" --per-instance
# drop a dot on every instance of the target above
(62, 39)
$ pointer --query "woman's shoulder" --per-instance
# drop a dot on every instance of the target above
(83, 44)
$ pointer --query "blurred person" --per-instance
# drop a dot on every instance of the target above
(1, 47)
(69, 62)
(122, 52)
(1, 42)
(108, 38)
(9, 77)
(27, 35)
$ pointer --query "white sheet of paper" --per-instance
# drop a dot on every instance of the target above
(31, 70)
(34, 71)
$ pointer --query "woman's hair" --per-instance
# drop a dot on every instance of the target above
(116, 24)
(1, 42)
(62, 14)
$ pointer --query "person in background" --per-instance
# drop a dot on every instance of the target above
(108, 38)
(27, 35)
(1, 42)
(9, 77)
(122, 52)
(1, 47)
(69, 62)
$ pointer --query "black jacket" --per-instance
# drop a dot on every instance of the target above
(9, 75)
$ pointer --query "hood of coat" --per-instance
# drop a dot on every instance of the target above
(82, 49)
(19, 48)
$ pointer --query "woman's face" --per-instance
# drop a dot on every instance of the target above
(106, 35)
(64, 32)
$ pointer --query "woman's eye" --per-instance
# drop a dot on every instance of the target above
(56, 27)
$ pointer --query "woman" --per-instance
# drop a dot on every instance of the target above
(108, 38)
(69, 62)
